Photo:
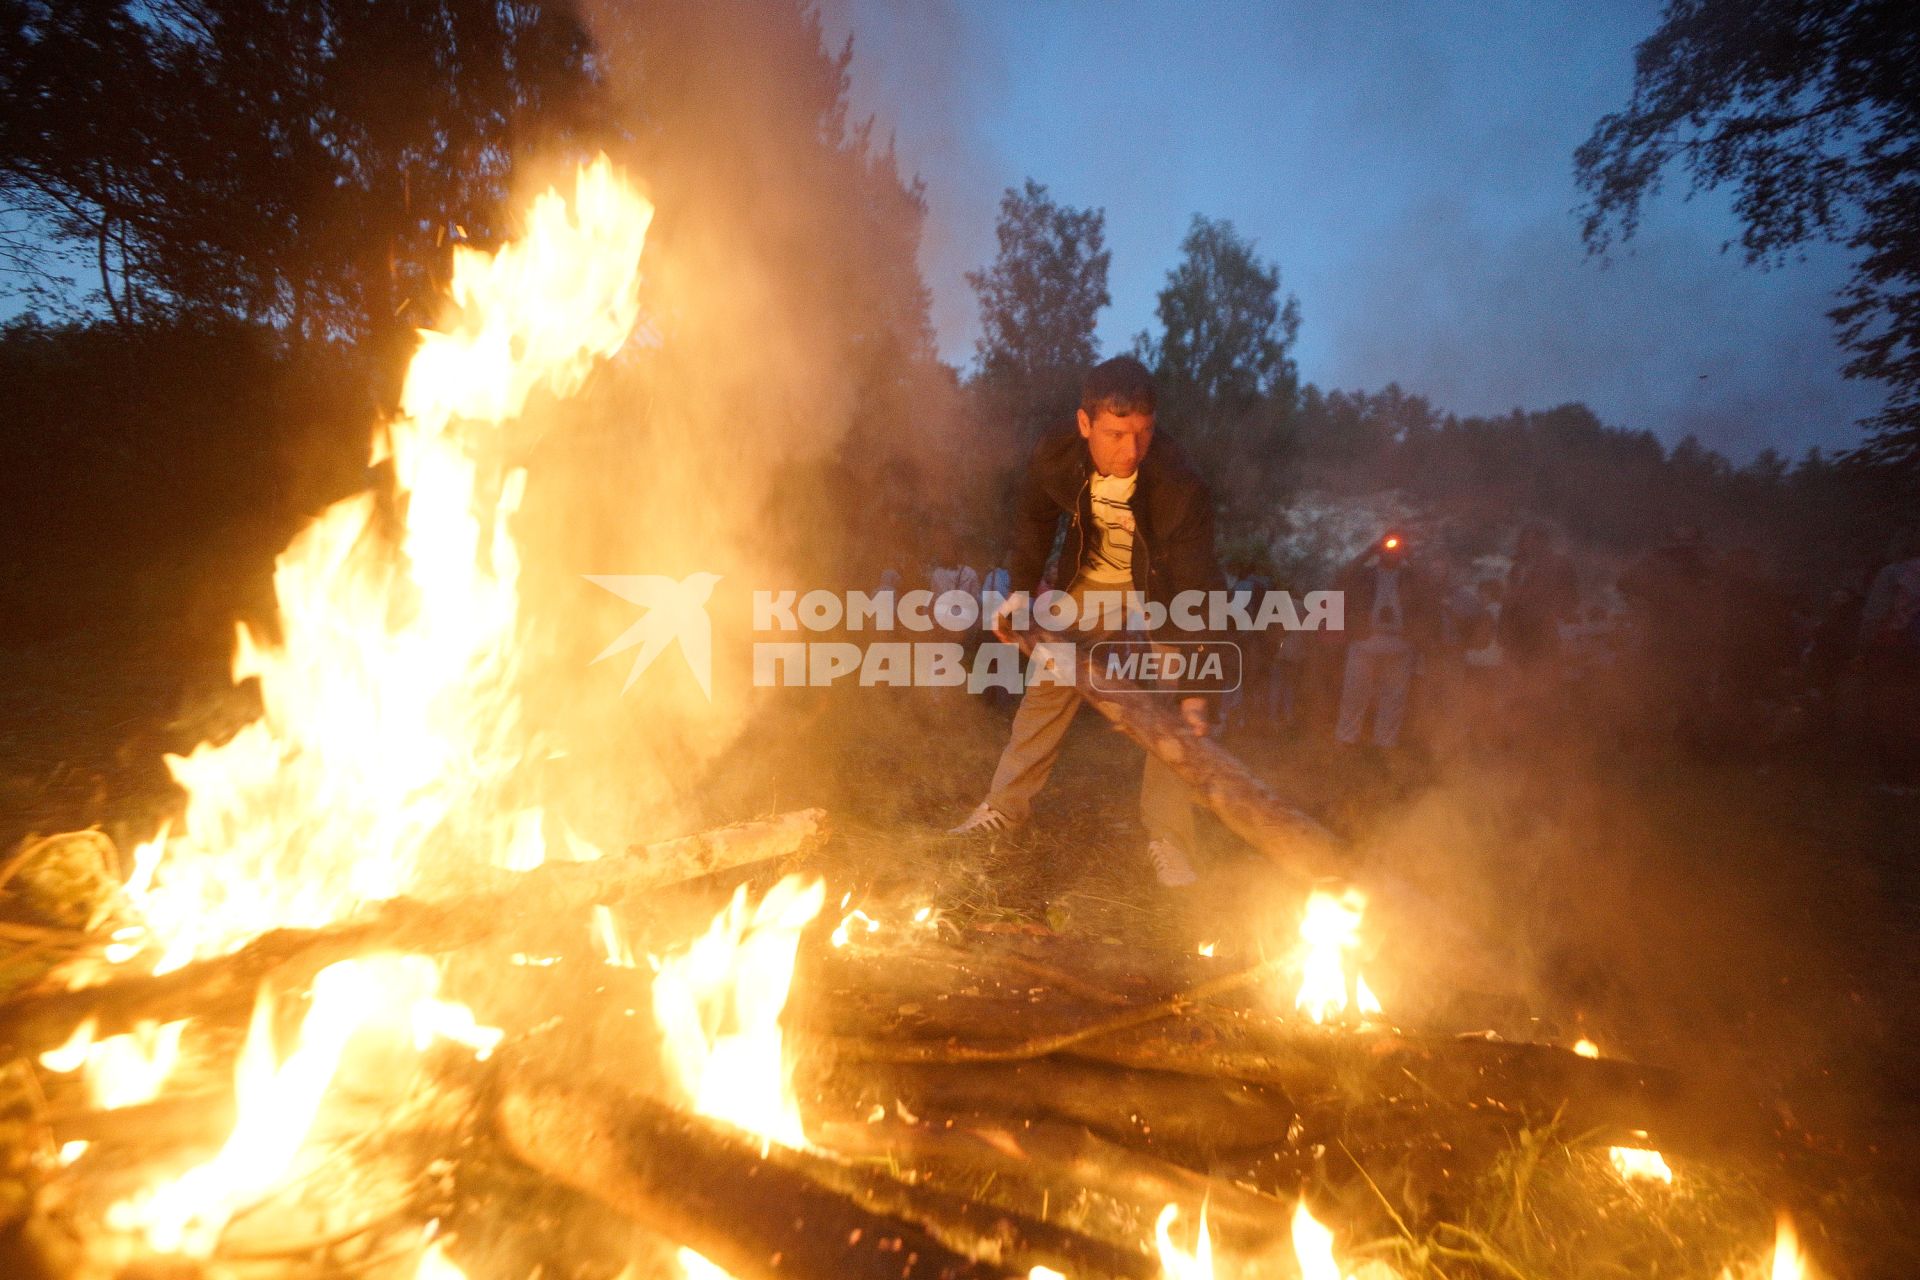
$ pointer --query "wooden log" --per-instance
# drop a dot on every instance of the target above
(1326, 1070)
(1302, 849)
(181, 1120)
(709, 1189)
(1184, 1118)
(1323, 1071)
(972, 1226)
(928, 1048)
(923, 991)
(599, 1027)
(1292, 840)
(34, 1022)
(1067, 1160)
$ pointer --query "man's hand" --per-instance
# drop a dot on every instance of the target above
(1194, 712)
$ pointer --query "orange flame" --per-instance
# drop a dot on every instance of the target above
(696, 1267)
(718, 1005)
(277, 1102)
(388, 702)
(1313, 1246)
(1640, 1163)
(1328, 931)
(279, 1097)
(122, 1070)
(436, 1265)
(1789, 1263)
(390, 717)
(1175, 1262)
(1313, 1250)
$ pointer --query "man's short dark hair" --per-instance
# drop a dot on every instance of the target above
(1121, 386)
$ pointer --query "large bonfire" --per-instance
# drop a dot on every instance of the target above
(382, 778)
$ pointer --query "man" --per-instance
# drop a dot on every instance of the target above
(1673, 591)
(1387, 612)
(1141, 521)
(1890, 661)
(949, 571)
(1542, 592)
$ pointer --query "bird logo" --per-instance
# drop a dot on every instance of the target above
(675, 610)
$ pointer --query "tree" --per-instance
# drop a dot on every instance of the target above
(1810, 111)
(1038, 303)
(1227, 384)
(1225, 333)
(294, 163)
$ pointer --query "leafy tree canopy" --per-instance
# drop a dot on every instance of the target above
(1038, 303)
(1225, 332)
(293, 162)
(1810, 111)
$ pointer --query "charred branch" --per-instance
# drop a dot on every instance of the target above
(709, 1189)
(228, 983)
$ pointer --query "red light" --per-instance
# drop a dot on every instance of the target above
(1392, 543)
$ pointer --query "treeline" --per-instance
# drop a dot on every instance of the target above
(235, 213)
(1615, 489)
(230, 217)
(1222, 354)
(140, 464)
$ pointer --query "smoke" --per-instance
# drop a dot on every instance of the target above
(930, 72)
(1560, 848)
(785, 371)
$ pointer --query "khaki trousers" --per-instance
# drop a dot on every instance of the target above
(1040, 726)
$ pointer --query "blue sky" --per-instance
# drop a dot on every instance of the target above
(1408, 164)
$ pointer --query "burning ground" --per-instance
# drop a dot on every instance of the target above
(387, 998)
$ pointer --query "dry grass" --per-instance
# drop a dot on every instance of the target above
(1746, 919)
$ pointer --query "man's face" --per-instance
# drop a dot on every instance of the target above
(1117, 441)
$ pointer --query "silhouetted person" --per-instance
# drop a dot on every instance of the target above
(1890, 660)
(1674, 596)
(1756, 628)
(1388, 614)
(1542, 592)
(1834, 641)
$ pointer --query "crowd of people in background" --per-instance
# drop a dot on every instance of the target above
(1691, 644)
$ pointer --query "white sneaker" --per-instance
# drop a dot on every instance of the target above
(1170, 865)
(984, 820)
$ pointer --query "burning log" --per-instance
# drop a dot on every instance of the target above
(1185, 1117)
(1326, 1071)
(710, 1189)
(974, 1227)
(1300, 847)
(1322, 1071)
(226, 984)
(1067, 1156)
(951, 1050)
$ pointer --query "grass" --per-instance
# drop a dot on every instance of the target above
(1745, 919)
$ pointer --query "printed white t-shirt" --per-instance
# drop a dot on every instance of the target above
(1110, 553)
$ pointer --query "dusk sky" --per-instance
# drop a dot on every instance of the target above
(1409, 167)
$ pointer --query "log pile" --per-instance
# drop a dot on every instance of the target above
(999, 1106)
